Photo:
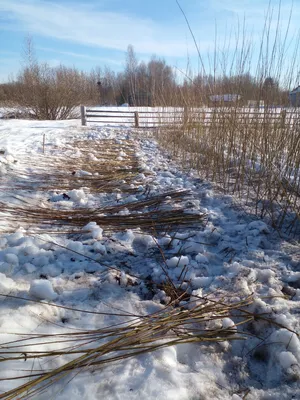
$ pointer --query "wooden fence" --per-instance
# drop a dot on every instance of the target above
(182, 116)
(134, 118)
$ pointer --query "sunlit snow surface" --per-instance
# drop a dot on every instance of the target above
(233, 253)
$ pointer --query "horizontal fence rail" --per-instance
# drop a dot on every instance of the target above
(148, 117)
(138, 118)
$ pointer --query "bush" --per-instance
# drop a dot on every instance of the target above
(49, 92)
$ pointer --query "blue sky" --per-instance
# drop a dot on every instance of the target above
(97, 32)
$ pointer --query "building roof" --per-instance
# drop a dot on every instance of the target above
(296, 90)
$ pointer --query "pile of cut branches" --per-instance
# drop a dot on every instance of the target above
(196, 321)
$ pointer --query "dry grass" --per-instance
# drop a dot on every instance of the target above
(139, 333)
(256, 159)
(100, 158)
(251, 152)
(56, 173)
(147, 216)
(200, 322)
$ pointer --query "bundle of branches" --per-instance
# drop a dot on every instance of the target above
(199, 320)
(104, 168)
(147, 214)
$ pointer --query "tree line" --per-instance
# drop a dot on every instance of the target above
(55, 92)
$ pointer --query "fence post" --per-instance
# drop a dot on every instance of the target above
(283, 118)
(83, 115)
(136, 119)
(185, 116)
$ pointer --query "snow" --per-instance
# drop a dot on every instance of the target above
(6, 284)
(95, 230)
(201, 259)
(142, 243)
(99, 270)
(227, 323)
(42, 290)
(180, 262)
(11, 259)
(287, 359)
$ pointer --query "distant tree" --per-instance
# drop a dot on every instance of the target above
(131, 73)
(55, 92)
(270, 91)
(161, 82)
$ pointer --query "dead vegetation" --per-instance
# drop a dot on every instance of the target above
(199, 322)
(255, 159)
(103, 171)
(98, 170)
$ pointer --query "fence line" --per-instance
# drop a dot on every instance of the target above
(183, 116)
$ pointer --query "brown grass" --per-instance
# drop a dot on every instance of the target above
(199, 321)
(255, 159)
(55, 173)
(95, 348)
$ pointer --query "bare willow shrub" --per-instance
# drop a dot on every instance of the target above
(50, 92)
(251, 149)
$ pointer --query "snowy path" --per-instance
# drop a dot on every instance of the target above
(232, 254)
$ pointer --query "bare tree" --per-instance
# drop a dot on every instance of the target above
(131, 73)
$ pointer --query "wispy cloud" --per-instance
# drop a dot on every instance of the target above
(255, 12)
(87, 25)
(81, 55)
(82, 26)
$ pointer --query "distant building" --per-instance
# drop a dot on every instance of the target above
(294, 97)
(224, 98)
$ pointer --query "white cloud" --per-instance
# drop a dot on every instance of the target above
(86, 25)
(255, 12)
(82, 56)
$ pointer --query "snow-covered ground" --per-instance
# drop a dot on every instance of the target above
(232, 254)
